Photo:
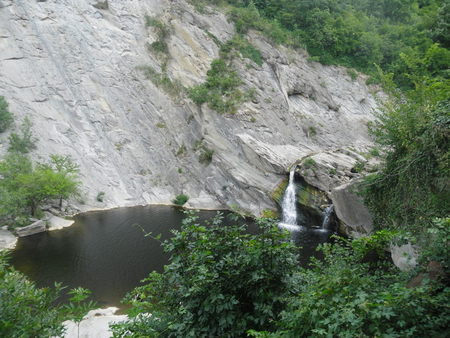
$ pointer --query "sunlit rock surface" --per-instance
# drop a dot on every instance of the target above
(71, 67)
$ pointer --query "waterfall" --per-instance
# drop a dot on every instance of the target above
(328, 221)
(289, 202)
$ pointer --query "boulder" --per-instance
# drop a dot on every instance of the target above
(7, 240)
(56, 223)
(354, 216)
(32, 229)
(432, 273)
(404, 257)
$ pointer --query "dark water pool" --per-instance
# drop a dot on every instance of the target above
(106, 252)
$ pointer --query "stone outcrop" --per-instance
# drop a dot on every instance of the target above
(73, 67)
(7, 240)
(354, 217)
(32, 229)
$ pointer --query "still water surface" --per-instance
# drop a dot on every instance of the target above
(106, 252)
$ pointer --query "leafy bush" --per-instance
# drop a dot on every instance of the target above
(220, 89)
(6, 117)
(180, 199)
(308, 162)
(221, 282)
(412, 188)
(28, 311)
(343, 297)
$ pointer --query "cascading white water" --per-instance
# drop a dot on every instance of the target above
(327, 223)
(289, 203)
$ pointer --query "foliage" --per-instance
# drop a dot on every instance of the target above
(22, 143)
(220, 89)
(344, 297)
(354, 33)
(6, 117)
(162, 32)
(436, 246)
(221, 282)
(28, 311)
(206, 155)
(33, 184)
(172, 87)
(413, 186)
(100, 196)
(180, 199)
(77, 307)
(308, 162)
(239, 43)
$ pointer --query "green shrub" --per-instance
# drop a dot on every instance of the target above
(352, 73)
(375, 151)
(221, 282)
(312, 131)
(343, 297)
(180, 199)
(308, 162)
(6, 117)
(220, 89)
(206, 156)
(100, 196)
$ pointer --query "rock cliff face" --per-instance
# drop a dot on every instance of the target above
(72, 66)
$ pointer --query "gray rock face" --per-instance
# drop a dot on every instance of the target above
(7, 240)
(71, 66)
(32, 229)
(352, 213)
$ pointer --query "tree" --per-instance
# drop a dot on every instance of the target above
(413, 187)
(33, 184)
(221, 282)
(6, 118)
(68, 171)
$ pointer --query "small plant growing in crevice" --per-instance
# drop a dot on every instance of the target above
(308, 162)
(359, 167)
(180, 199)
(206, 156)
(100, 196)
(161, 80)
(162, 32)
(312, 131)
(182, 150)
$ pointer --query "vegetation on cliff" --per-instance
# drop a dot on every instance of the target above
(354, 33)
(25, 184)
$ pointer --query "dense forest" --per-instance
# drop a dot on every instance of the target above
(223, 282)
